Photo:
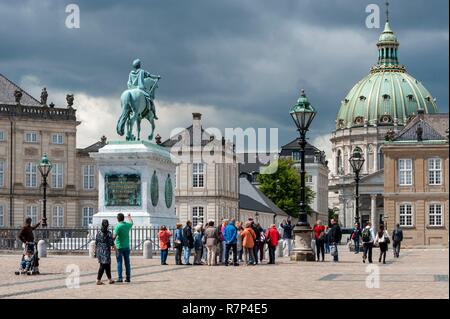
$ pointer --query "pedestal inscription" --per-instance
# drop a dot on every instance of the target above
(123, 190)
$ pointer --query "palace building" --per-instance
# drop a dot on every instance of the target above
(28, 129)
(386, 99)
(416, 181)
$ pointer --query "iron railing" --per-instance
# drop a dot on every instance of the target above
(77, 239)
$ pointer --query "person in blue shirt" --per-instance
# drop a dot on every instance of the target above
(178, 243)
(230, 237)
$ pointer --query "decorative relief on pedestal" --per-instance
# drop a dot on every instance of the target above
(154, 189)
(168, 192)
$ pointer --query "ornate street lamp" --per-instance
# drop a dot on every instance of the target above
(45, 166)
(357, 162)
(303, 114)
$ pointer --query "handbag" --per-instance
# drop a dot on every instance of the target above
(333, 251)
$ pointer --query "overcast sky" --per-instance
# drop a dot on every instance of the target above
(240, 63)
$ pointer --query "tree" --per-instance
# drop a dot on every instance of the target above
(282, 187)
(333, 213)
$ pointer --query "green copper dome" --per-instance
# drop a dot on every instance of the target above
(388, 95)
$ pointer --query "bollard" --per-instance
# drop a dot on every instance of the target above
(42, 248)
(92, 249)
(279, 251)
(147, 252)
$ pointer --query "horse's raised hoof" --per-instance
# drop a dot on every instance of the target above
(150, 137)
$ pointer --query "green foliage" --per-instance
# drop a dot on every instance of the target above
(283, 187)
(333, 213)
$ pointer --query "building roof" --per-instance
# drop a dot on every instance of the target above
(424, 128)
(388, 95)
(92, 148)
(251, 198)
(189, 130)
(312, 153)
(7, 89)
(29, 107)
(251, 163)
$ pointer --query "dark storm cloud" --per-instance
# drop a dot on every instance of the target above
(245, 56)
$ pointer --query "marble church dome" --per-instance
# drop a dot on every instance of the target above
(388, 95)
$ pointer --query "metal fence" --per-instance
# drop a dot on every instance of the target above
(77, 239)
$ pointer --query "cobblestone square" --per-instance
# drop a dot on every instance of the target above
(416, 274)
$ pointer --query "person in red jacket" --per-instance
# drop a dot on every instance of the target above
(272, 237)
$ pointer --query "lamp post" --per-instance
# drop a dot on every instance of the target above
(303, 114)
(45, 166)
(357, 162)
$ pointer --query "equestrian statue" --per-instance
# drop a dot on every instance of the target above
(138, 102)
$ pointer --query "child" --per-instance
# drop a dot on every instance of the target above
(27, 259)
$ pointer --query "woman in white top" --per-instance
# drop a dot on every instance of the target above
(382, 240)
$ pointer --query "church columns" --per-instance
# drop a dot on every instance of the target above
(375, 158)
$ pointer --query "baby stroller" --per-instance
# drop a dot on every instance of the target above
(30, 261)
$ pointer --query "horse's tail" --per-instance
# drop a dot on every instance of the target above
(125, 99)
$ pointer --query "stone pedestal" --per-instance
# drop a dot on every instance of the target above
(136, 178)
(303, 250)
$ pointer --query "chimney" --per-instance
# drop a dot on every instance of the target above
(196, 129)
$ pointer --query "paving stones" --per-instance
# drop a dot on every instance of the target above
(417, 274)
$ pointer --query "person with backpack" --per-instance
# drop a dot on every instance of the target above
(319, 235)
(382, 240)
(397, 237)
(355, 236)
(335, 236)
(367, 236)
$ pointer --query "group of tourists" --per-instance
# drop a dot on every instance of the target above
(327, 240)
(381, 239)
(230, 243)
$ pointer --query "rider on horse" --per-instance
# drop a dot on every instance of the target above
(136, 81)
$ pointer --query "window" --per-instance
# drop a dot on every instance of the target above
(88, 213)
(296, 156)
(2, 216)
(434, 171)
(309, 179)
(31, 137)
(32, 212)
(197, 175)
(88, 177)
(2, 172)
(57, 175)
(58, 216)
(2, 136)
(58, 138)
(31, 175)
(405, 172)
(197, 215)
(406, 218)
(435, 215)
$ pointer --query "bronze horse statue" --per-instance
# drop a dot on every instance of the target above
(135, 108)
